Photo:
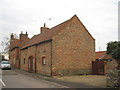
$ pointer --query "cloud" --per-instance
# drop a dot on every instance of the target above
(99, 17)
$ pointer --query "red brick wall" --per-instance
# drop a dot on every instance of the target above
(73, 50)
(14, 57)
(15, 53)
(111, 65)
(44, 50)
(25, 54)
(38, 52)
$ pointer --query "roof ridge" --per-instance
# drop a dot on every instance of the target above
(60, 24)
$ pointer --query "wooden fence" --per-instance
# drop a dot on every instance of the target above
(98, 67)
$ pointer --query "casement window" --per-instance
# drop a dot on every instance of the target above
(43, 60)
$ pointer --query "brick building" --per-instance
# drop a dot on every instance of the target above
(15, 45)
(66, 49)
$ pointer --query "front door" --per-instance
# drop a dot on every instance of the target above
(30, 64)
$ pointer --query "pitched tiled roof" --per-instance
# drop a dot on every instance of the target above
(102, 55)
(14, 44)
(107, 57)
(49, 33)
(45, 36)
(18, 43)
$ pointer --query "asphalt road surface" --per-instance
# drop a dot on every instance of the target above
(16, 78)
(13, 79)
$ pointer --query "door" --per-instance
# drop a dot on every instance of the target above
(30, 64)
(98, 67)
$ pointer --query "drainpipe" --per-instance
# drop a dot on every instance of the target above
(35, 57)
(19, 59)
(51, 57)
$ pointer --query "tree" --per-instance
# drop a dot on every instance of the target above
(113, 49)
(6, 43)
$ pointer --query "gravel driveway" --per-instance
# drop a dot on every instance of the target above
(94, 80)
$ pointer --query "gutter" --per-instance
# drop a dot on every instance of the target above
(36, 44)
(35, 59)
(14, 48)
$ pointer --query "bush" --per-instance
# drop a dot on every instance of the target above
(113, 78)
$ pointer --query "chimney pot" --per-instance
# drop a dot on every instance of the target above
(12, 36)
(44, 24)
(26, 32)
(21, 32)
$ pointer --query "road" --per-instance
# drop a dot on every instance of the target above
(13, 79)
(20, 79)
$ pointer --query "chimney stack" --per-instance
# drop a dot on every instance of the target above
(44, 29)
(12, 37)
(23, 36)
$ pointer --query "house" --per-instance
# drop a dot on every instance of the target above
(15, 45)
(66, 49)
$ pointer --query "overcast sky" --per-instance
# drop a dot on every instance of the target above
(100, 17)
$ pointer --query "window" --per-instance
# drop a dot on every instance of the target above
(43, 60)
(24, 60)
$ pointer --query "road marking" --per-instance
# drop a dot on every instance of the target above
(2, 82)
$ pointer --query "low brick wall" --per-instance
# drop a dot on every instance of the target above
(112, 78)
(112, 74)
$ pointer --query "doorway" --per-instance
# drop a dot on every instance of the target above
(31, 64)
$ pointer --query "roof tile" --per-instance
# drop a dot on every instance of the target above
(102, 55)
(45, 36)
